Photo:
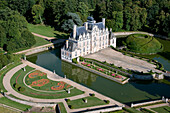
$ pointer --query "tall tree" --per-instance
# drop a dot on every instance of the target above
(37, 12)
(72, 18)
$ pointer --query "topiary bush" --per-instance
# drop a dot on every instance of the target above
(67, 100)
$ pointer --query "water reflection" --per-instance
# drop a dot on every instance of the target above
(77, 74)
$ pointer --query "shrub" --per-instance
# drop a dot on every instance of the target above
(16, 85)
(107, 101)
(71, 107)
(21, 89)
(74, 60)
(92, 94)
(67, 100)
(81, 58)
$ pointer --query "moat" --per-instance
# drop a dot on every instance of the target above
(134, 91)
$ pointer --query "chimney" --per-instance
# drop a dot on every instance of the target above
(103, 20)
(86, 25)
(74, 31)
(110, 29)
(66, 44)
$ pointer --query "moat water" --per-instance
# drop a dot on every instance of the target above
(134, 91)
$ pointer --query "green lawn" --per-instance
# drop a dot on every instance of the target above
(91, 101)
(46, 31)
(40, 41)
(163, 109)
(3, 72)
(38, 94)
(140, 43)
(11, 103)
(7, 110)
(62, 108)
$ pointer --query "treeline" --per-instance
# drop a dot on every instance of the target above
(129, 15)
(14, 34)
(8, 58)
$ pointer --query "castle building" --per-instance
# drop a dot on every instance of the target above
(87, 39)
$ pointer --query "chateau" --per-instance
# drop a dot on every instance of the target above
(86, 39)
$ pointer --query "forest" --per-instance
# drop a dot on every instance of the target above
(121, 15)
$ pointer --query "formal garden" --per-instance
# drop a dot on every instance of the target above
(34, 83)
(38, 80)
(104, 68)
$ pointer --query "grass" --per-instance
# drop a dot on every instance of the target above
(62, 108)
(11, 103)
(7, 110)
(163, 109)
(38, 94)
(46, 31)
(40, 41)
(139, 43)
(91, 101)
(3, 72)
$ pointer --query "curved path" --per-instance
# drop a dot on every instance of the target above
(7, 85)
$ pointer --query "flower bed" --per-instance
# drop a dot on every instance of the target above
(105, 71)
(36, 74)
(59, 86)
(40, 82)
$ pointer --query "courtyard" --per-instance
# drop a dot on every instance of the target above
(118, 59)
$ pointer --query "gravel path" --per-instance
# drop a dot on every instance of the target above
(111, 56)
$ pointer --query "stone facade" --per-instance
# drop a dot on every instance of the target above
(86, 39)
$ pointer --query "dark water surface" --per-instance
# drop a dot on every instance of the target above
(134, 91)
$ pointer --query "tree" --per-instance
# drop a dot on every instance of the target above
(37, 12)
(2, 36)
(72, 19)
(22, 6)
(14, 30)
(83, 11)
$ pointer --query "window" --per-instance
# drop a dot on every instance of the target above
(76, 53)
(70, 55)
(62, 52)
(103, 37)
(84, 49)
(100, 38)
(80, 45)
(87, 42)
(83, 43)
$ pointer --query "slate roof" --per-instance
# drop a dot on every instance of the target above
(71, 46)
(81, 30)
